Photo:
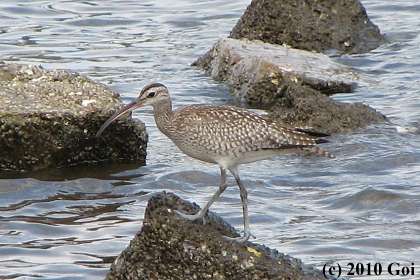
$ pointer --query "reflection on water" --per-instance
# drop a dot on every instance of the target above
(70, 222)
(100, 170)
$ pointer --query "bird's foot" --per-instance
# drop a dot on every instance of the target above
(190, 217)
(240, 239)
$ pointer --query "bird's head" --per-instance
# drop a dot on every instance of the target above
(152, 95)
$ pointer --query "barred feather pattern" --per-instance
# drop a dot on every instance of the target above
(220, 134)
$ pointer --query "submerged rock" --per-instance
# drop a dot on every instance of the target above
(169, 247)
(293, 84)
(49, 118)
(340, 25)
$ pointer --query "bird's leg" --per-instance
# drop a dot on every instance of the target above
(244, 197)
(202, 212)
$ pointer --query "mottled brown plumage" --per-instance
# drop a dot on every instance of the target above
(224, 135)
(233, 135)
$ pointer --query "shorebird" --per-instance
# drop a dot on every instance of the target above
(223, 135)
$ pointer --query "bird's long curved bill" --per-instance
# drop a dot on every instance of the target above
(128, 108)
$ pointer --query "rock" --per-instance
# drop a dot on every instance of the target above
(49, 118)
(321, 26)
(245, 65)
(169, 247)
(293, 84)
(305, 107)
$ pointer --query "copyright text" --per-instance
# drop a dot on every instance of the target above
(361, 269)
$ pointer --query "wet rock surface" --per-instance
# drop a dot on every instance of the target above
(49, 118)
(169, 247)
(306, 107)
(292, 84)
(340, 25)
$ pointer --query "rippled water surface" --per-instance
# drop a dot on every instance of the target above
(363, 206)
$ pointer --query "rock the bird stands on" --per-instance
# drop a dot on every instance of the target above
(223, 135)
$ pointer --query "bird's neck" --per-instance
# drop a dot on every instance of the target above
(163, 113)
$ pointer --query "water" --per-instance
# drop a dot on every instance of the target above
(362, 207)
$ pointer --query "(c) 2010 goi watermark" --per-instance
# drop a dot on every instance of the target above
(368, 269)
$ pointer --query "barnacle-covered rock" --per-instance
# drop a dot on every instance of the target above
(49, 118)
(169, 247)
(321, 26)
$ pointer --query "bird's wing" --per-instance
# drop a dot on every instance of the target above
(236, 126)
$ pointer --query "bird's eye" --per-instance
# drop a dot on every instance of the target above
(151, 94)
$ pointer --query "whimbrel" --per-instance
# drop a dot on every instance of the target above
(223, 135)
